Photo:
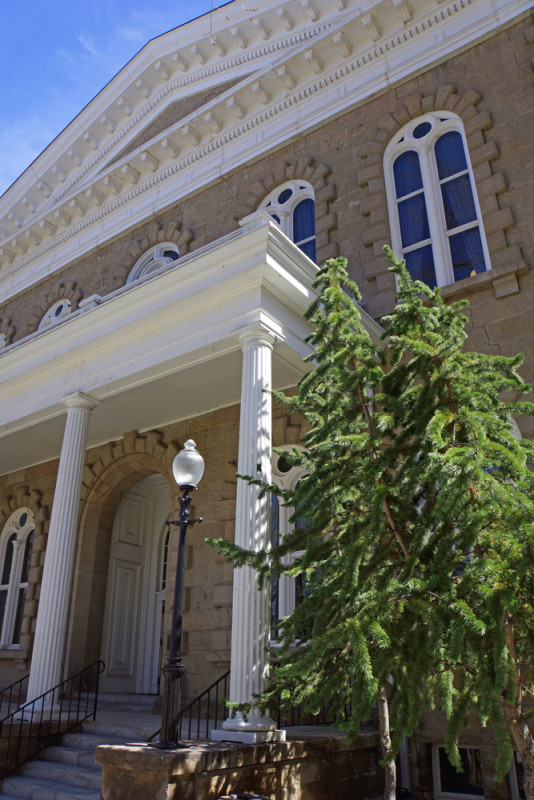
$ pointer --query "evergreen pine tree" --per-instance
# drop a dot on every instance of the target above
(417, 542)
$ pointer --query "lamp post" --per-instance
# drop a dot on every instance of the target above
(187, 468)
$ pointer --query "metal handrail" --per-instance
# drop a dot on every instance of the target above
(12, 695)
(188, 722)
(42, 721)
(293, 716)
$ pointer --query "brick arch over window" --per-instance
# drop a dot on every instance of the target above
(60, 290)
(288, 429)
(7, 332)
(319, 176)
(24, 497)
(119, 466)
(156, 233)
(490, 185)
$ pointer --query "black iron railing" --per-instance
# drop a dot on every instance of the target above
(290, 717)
(202, 714)
(12, 696)
(43, 720)
(293, 716)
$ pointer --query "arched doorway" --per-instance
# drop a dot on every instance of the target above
(131, 642)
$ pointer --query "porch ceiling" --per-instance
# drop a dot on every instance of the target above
(192, 391)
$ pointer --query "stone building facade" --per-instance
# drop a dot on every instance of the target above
(150, 288)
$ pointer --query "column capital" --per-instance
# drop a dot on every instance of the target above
(82, 401)
(259, 334)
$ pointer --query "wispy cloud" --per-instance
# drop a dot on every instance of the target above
(132, 34)
(88, 42)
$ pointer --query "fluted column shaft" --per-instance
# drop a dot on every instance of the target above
(52, 615)
(251, 606)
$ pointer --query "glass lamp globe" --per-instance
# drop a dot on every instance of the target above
(188, 466)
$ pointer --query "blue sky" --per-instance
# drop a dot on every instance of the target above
(56, 55)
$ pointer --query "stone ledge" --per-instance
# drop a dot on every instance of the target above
(502, 278)
(315, 768)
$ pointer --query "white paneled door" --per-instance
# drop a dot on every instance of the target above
(131, 643)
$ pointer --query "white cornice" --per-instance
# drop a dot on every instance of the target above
(347, 62)
(135, 334)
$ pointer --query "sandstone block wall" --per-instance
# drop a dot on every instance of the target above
(431, 731)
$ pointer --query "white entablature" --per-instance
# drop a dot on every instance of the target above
(328, 61)
(164, 347)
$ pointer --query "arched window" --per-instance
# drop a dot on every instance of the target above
(160, 255)
(292, 206)
(435, 216)
(57, 311)
(16, 544)
(286, 592)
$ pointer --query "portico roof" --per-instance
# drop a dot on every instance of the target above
(161, 349)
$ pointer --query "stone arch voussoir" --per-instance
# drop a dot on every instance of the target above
(59, 290)
(155, 232)
(319, 176)
(288, 429)
(133, 454)
(7, 332)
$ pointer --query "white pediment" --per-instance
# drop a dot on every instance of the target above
(279, 71)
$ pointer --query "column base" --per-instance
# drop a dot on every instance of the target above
(247, 736)
(254, 730)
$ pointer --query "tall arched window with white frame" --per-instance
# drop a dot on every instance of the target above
(16, 543)
(436, 224)
(292, 206)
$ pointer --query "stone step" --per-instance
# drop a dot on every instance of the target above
(67, 771)
(74, 757)
(133, 703)
(63, 774)
(128, 707)
(33, 788)
(86, 741)
(126, 733)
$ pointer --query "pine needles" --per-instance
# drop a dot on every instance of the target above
(418, 510)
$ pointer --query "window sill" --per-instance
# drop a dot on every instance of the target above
(9, 652)
(503, 279)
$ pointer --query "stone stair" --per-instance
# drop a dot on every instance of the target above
(67, 771)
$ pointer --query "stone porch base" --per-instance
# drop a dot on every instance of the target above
(321, 766)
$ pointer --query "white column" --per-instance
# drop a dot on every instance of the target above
(250, 605)
(52, 615)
